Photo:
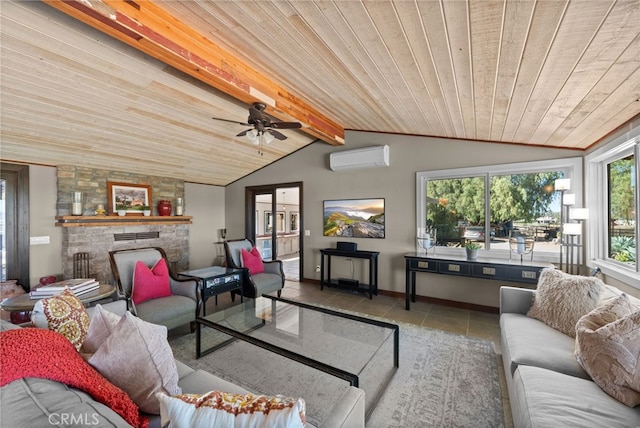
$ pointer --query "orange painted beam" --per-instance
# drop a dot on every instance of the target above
(150, 29)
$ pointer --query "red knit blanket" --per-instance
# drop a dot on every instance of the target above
(45, 354)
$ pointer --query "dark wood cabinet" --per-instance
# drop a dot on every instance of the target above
(500, 270)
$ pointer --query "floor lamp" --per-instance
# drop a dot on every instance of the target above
(562, 185)
(575, 242)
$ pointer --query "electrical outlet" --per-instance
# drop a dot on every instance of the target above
(317, 268)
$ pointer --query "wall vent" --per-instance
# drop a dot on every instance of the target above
(135, 236)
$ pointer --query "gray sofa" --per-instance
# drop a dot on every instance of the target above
(33, 402)
(547, 386)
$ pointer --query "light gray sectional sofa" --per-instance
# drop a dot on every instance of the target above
(33, 402)
(547, 386)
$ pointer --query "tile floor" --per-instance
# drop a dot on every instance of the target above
(455, 320)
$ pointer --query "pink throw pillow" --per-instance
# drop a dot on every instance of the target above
(150, 283)
(252, 260)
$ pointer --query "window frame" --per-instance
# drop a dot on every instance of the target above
(572, 168)
(597, 202)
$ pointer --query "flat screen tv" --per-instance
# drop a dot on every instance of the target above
(354, 218)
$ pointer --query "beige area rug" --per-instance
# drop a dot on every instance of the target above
(444, 379)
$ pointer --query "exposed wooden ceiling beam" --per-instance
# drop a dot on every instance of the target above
(147, 27)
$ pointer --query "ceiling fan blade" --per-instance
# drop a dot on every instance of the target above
(243, 133)
(285, 125)
(278, 135)
(231, 121)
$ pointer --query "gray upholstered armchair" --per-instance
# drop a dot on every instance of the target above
(172, 311)
(272, 279)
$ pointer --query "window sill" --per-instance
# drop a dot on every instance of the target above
(617, 272)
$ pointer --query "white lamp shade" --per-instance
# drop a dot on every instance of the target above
(572, 228)
(267, 137)
(563, 184)
(579, 213)
(252, 136)
(569, 199)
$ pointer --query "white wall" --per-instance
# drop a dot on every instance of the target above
(45, 259)
(408, 155)
(206, 205)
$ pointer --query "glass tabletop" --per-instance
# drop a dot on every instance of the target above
(360, 350)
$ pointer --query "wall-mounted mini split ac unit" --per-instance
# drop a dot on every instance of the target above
(368, 157)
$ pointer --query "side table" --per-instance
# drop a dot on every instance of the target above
(215, 280)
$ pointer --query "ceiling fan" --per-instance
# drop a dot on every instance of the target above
(264, 129)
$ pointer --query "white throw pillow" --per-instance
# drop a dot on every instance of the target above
(561, 299)
(608, 348)
(221, 409)
(102, 325)
(137, 358)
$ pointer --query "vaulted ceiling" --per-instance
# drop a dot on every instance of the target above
(133, 85)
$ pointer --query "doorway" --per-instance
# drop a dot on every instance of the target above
(14, 223)
(274, 221)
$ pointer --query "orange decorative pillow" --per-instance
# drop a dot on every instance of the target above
(65, 314)
(150, 283)
(252, 260)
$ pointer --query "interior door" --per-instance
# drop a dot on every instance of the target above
(274, 222)
(14, 223)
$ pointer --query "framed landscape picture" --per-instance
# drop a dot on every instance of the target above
(133, 196)
(354, 218)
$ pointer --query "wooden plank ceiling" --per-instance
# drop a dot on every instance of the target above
(550, 73)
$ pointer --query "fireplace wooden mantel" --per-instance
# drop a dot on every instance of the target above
(94, 220)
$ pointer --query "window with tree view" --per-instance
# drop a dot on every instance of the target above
(491, 206)
(621, 213)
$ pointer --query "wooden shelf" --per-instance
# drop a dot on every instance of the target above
(128, 220)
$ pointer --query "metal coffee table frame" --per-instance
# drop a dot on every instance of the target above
(339, 373)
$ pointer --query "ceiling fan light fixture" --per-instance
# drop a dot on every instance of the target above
(252, 135)
(267, 137)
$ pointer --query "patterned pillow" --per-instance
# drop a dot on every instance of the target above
(63, 313)
(252, 260)
(608, 348)
(220, 409)
(561, 299)
(137, 358)
(150, 283)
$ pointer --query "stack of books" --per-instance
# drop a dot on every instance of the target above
(77, 285)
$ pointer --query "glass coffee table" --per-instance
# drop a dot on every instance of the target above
(361, 351)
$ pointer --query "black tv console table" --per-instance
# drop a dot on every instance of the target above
(372, 256)
(496, 269)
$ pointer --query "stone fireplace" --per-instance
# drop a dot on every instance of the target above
(97, 241)
(97, 235)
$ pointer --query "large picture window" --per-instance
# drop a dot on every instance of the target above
(621, 213)
(612, 182)
(489, 204)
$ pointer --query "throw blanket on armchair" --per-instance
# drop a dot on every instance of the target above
(45, 354)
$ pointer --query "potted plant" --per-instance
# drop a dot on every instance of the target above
(472, 250)
(121, 210)
(146, 210)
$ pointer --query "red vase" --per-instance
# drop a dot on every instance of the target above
(164, 207)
